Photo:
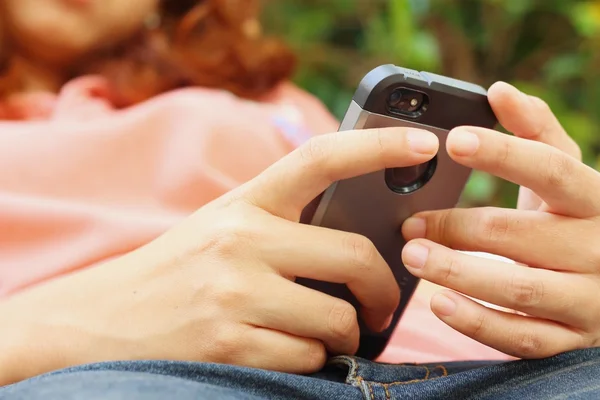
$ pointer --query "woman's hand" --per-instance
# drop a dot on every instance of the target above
(220, 286)
(554, 236)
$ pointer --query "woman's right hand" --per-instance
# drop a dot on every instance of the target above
(220, 287)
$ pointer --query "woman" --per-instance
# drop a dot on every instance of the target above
(138, 176)
(106, 172)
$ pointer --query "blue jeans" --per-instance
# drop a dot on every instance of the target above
(573, 375)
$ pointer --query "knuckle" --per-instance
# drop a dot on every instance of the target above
(477, 326)
(504, 150)
(361, 251)
(314, 152)
(527, 345)
(560, 169)
(383, 148)
(494, 226)
(226, 346)
(316, 356)
(227, 293)
(523, 292)
(449, 270)
(442, 227)
(438, 226)
(543, 112)
(231, 236)
(343, 321)
(546, 121)
(543, 109)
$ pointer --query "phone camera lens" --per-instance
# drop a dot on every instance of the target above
(410, 179)
(407, 102)
(395, 98)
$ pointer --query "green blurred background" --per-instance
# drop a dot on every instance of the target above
(550, 48)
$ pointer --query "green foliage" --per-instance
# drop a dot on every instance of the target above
(549, 48)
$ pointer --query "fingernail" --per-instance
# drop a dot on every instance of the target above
(422, 142)
(443, 305)
(414, 228)
(463, 143)
(415, 255)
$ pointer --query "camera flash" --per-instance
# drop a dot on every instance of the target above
(414, 102)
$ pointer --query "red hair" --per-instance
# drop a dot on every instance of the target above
(209, 43)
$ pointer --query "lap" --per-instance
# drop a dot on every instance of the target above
(573, 375)
(118, 385)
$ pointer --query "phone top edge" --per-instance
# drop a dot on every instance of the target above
(388, 73)
(452, 102)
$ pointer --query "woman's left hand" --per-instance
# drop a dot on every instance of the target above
(553, 237)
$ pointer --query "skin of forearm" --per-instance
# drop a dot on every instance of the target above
(31, 345)
(46, 327)
(15, 359)
(34, 337)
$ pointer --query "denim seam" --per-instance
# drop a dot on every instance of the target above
(444, 370)
(386, 386)
(426, 378)
(388, 395)
(354, 379)
(352, 374)
(357, 380)
(369, 386)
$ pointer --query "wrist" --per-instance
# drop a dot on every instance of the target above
(23, 345)
(10, 347)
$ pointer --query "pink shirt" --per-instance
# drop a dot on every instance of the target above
(82, 183)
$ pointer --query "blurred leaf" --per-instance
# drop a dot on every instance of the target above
(586, 17)
(426, 52)
(583, 130)
(517, 8)
(420, 7)
(564, 67)
(480, 187)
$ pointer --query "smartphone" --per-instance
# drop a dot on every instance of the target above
(376, 205)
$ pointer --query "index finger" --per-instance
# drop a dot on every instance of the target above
(289, 185)
(567, 185)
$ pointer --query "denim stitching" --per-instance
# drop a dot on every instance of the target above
(352, 373)
(426, 377)
(388, 395)
(398, 364)
(444, 370)
(353, 378)
(428, 373)
(357, 380)
(386, 386)
(369, 387)
(371, 390)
